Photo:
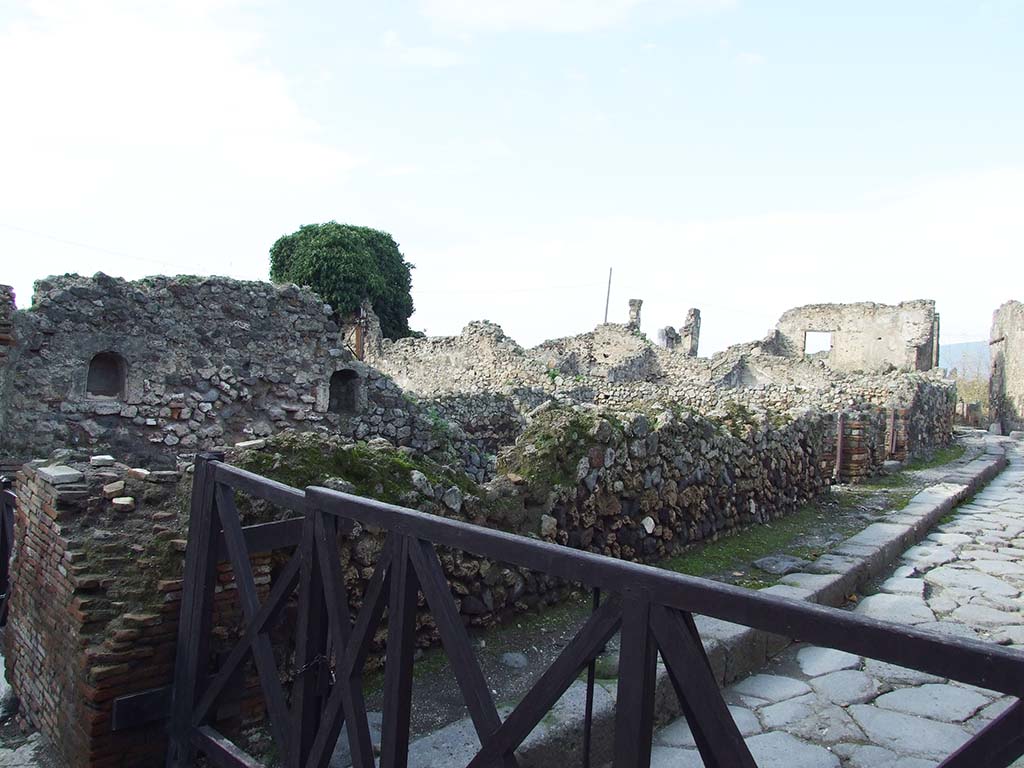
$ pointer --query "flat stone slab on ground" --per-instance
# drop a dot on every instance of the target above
(949, 703)
(780, 565)
(60, 475)
(678, 733)
(969, 578)
(816, 661)
(782, 750)
(901, 609)
(771, 687)
(848, 686)
(908, 734)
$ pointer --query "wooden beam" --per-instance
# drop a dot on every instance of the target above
(718, 739)
(545, 693)
(394, 741)
(634, 700)
(193, 648)
(968, 661)
(220, 751)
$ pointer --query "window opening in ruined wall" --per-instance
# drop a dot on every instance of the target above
(344, 394)
(107, 374)
(817, 341)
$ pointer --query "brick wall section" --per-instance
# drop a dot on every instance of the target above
(82, 629)
(864, 446)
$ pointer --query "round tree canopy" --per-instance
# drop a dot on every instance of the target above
(345, 264)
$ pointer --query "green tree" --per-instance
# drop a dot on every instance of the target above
(345, 264)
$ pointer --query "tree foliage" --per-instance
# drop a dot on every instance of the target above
(345, 264)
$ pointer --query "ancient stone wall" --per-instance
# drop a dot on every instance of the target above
(642, 486)
(867, 337)
(690, 333)
(165, 366)
(94, 608)
(7, 310)
(189, 364)
(481, 359)
(611, 353)
(1006, 379)
(615, 367)
(103, 542)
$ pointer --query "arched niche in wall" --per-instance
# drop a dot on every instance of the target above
(108, 375)
(344, 392)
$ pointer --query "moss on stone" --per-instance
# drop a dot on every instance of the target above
(303, 459)
(549, 451)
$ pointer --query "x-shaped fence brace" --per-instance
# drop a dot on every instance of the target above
(323, 701)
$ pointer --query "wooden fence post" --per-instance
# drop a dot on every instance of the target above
(192, 657)
(634, 701)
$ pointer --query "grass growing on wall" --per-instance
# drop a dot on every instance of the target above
(939, 457)
(303, 460)
(734, 553)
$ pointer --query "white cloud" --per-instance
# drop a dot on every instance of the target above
(155, 132)
(420, 56)
(109, 93)
(551, 15)
(750, 58)
(942, 239)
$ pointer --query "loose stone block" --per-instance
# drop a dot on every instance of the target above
(124, 504)
(60, 475)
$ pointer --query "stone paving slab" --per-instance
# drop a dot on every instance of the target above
(735, 651)
(821, 707)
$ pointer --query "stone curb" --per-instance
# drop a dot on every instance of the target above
(733, 650)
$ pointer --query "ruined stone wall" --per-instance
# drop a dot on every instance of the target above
(646, 485)
(202, 363)
(611, 353)
(1006, 380)
(490, 420)
(94, 608)
(104, 542)
(612, 366)
(7, 310)
(867, 337)
(481, 359)
(690, 333)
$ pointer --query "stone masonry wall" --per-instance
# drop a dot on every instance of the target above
(7, 310)
(615, 367)
(207, 362)
(1006, 381)
(96, 572)
(868, 337)
(94, 608)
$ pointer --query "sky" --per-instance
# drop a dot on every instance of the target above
(740, 156)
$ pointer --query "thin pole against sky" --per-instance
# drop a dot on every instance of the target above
(608, 296)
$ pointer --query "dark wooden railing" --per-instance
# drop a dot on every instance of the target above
(8, 501)
(653, 610)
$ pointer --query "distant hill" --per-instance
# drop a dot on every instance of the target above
(969, 357)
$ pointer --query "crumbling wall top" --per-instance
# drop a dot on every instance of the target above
(865, 336)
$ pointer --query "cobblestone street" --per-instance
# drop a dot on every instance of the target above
(820, 708)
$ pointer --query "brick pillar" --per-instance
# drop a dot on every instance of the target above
(96, 592)
(864, 445)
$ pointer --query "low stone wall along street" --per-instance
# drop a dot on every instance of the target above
(104, 542)
(603, 441)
